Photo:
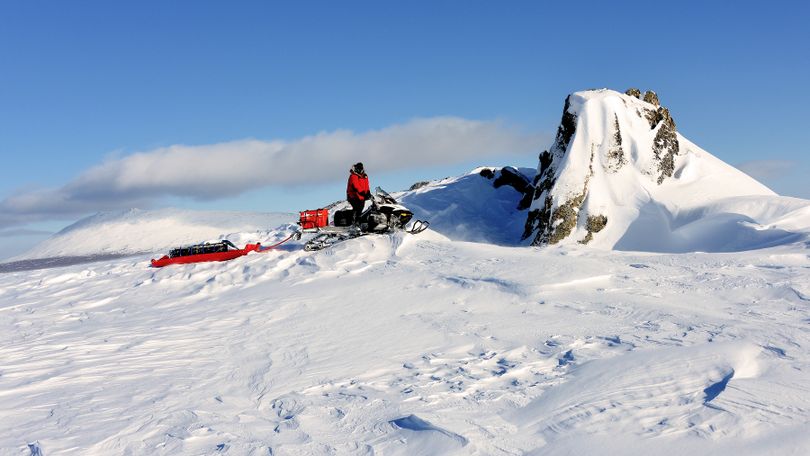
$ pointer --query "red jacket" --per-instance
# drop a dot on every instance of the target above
(357, 188)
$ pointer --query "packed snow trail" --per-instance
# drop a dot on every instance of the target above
(403, 344)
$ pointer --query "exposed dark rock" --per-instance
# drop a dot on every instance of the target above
(545, 162)
(594, 224)
(566, 215)
(634, 92)
(653, 117)
(665, 146)
(419, 184)
(533, 220)
(615, 155)
(651, 97)
(554, 226)
(487, 172)
(512, 177)
(664, 113)
(539, 220)
(526, 201)
(567, 128)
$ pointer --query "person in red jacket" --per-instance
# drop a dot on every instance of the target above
(357, 190)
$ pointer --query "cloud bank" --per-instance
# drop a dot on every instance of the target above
(23, 232)
(765, 170)
(207, 172)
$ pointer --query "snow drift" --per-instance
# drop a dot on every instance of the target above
(620, 176)
(481, 206)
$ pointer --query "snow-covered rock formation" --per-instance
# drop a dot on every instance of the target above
(620, 176)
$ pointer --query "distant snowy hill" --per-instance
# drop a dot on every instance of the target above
(140, 231)
(619, 176)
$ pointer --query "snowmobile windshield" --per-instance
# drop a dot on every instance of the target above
(384, 197)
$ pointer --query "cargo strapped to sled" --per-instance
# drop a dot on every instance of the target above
(200, 249)
(317, 218)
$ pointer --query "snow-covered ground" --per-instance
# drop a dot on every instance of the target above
(399, 344)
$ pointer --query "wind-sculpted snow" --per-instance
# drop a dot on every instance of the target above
(410, 345)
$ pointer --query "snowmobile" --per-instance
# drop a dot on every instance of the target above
(384, 215)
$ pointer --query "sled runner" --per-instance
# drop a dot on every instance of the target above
(383, 216)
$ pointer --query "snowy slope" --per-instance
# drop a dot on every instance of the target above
(470, 207)
(411, 345)
(138, 231)
(619, 176)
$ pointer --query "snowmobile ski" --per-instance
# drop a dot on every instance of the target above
(418, 226)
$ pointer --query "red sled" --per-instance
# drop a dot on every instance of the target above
(317, 218)
(219, 251)
(203, 257)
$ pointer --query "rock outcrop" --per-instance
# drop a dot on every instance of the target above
(665, 146)
(615, 154)
(510, 176)
(601, 133)
(542, 212)
(651, 98)
(633, 92)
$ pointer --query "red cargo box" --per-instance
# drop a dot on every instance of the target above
(314, 219)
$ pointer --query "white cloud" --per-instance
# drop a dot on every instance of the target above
(230, 168)
(24, 232)
(766, 170)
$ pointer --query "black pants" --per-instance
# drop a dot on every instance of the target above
(357, 208)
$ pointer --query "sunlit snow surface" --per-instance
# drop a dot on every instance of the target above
(411, 345)
(414, 345)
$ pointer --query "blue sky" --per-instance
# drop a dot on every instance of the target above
(83, 83)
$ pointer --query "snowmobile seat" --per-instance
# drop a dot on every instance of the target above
(344, 217)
